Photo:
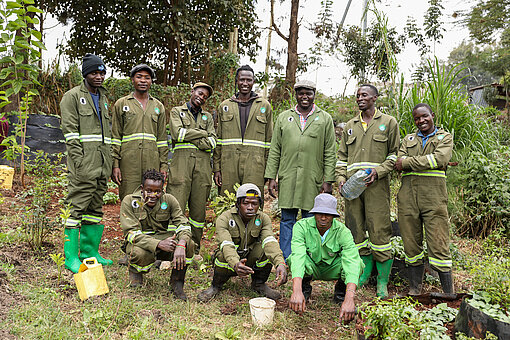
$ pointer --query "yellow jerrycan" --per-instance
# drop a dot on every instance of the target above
(6, 176)
(90, 279)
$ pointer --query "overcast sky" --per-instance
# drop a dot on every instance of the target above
(330, 77)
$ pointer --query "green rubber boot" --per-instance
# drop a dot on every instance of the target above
(368, 260)
(383, 277)
(71, 246)
(89, 242)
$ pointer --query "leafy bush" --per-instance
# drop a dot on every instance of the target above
(485, 194)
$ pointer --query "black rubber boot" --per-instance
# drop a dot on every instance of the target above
(135, 277)
(306, 287)
(217, 283)
(258, 282)
(415, 276)
(339, 295)
(446, 281)
(177, 283)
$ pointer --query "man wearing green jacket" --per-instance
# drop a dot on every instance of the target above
(193, 139)
(423, 200)
(155, 228)
(245, 127)
(323, 249)
(370, 141)
(302, 156)
(138, 133)
(246, 246)
(86, 128)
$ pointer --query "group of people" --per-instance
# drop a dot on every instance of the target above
(299, 160)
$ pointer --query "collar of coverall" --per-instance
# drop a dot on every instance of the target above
(376, 115)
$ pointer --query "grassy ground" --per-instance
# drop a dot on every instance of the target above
(35, 304)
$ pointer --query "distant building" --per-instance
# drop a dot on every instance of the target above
(478, 95)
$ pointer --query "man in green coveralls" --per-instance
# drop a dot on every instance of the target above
(138, 133)
(86, 128)
(423, 200)
(193, 139)
(155, 228)
(246, 246)
(370, 141)
(323, 249)
(245, 127)
(302, 156)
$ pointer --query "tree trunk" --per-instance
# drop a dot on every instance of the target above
(292, 53)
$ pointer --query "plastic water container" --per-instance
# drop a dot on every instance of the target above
(262, 311)
(6, 176)
(355, 185)
(90, 280)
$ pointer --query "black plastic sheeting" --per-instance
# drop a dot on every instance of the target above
(475, 323)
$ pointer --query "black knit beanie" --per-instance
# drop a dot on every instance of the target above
(91, 63)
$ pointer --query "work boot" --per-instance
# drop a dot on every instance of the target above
(89, 242)
(71, 245)
(123, 261)
(383, 277)
(446, 281)
(177, 283)
(306, 287)
(135, 278)
(218, 281)
(258, 282)
(415, 276)
(368, 260)
(339, 294)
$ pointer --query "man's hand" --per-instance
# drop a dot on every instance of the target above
(179, 260)
(242, 269)
(371, 178)
(281, 274)
(217, 178)
(116, 175)
(297, 300)
(168, 244)
(398, 164)
(348, 309)
(326, 188)
(272, 188)
(340, 185)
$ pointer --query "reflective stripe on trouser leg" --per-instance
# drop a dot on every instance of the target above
(256, 259)
(355, 221)
(85, 198)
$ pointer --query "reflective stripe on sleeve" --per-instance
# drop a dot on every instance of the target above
(162, 143)
(268, 239)
(432, 161)
(226, 243)
(430, 173)
(132, 234)
(212, 140)
(182, 134)
(223, 265)
(262, 264)
(362, 165)
(341, 163)
(183, 227)
(72, 135)
(392, 157)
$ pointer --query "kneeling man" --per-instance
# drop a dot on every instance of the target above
(323, 249)
(155, 228)
(246, 246)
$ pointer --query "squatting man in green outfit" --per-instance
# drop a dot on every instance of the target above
(155, 228)
(370, 141)
(247, 246)
(323, 249)
(423, 200)
(86, 128)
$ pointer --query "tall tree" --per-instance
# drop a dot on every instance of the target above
(175, 36)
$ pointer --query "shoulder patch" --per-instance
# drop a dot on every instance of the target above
(125, 108)
(257, 222)
(204, 117)
(106, 106)
(349, 132)
(316, 118)
(411, 138)
(156, 109)
(382, 127)
(164, 205)
(182, 114)
(225, 108)
(290, 119)
(262, 110)
(440, 137)
(135, 204)
(83, 101)
(232, 223)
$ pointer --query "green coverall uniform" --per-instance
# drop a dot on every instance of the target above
(376, 149)
(190, 174)
(139, 140)
(243, 160)
(337, 257)
(233, 235)
(302, 159)
(89, 161)
(144, 228)
(423, 200)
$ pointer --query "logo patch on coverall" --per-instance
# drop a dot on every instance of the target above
(182, 114)
(349, 132)
(257, 222)
(225, 108)
(125, 108)
(411, 138)
(291, 119)
(105, 106)
(83, 101)
(164, 205)
(232, 223)
(135, 204)
(156, 109)
(440, 137)
(316, 118)
(204, 117)
(382, 127)
(262, 110)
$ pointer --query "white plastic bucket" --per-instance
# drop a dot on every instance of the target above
(262, 311)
